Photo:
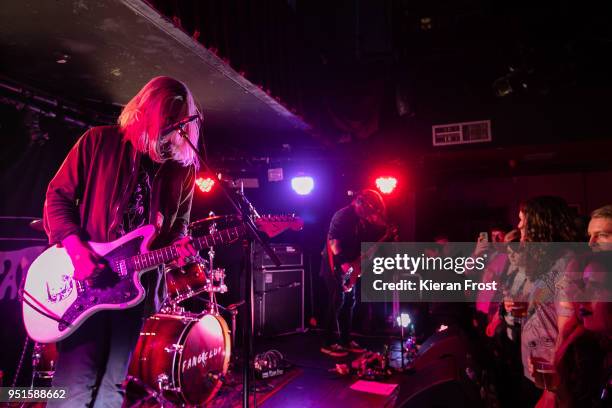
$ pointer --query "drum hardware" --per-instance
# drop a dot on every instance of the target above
(168, 340)
(184, 357)
(162, 382)
(44, 357)
(36, 357)
(187, 318)
(150, 392)
(213, 308)
(244, 209)
(187, 281)
(217, 281)
(172, 308)
(175, 348)
(233, 310)
(212, 219)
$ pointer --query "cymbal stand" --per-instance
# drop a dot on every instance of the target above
(244, 209)
(213, 307)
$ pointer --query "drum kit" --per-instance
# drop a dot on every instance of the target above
(181, 357)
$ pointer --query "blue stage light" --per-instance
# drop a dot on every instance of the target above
(302, 185)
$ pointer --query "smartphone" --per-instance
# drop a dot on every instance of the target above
(483, 237)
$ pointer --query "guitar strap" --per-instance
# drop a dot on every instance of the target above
(22, 295)
(330, 255)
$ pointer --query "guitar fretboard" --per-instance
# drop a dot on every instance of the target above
(169, 253)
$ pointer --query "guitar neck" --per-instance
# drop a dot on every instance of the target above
(169, 253)
(220, 237)
(373, 248)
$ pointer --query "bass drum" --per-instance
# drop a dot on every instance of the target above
(182, 356)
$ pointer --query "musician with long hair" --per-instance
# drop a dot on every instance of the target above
(114, 180)
(544, 221)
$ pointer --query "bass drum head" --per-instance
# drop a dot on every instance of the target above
(204, 359)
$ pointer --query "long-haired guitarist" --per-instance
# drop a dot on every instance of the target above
(364, 220)
(114, 180)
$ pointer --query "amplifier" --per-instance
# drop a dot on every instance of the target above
(291, 257)
(279, 301)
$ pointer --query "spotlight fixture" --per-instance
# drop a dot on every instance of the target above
(386, 185)
(303, 185)
(205, 184)
(403, 320)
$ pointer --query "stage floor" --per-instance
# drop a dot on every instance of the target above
(318, 385)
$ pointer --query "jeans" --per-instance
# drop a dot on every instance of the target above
(339, 316)
(93, 361)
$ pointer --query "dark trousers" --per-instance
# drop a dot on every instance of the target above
(339, 315)
(93, 361)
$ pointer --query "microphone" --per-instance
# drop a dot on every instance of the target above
(179, 124)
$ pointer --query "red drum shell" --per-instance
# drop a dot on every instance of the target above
(188, 281)
(192, 352)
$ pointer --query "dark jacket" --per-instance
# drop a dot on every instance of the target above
(90, 191)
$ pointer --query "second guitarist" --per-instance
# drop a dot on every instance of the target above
(364, 220)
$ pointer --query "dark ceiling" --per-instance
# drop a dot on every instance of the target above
(370, 77)
(110, 48)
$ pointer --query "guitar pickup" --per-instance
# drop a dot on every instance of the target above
(122, 268)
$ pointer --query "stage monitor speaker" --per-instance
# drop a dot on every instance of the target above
(279, 301)
(447, 343)
(435, 385)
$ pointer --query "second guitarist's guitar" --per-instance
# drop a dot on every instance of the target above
(55, 304)
(352, 271)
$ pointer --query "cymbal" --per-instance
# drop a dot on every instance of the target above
(215, 218)
(37, 224)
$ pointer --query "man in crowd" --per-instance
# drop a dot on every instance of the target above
(600, 229)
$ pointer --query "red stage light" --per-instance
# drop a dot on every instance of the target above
(386, 185)
(205, 184)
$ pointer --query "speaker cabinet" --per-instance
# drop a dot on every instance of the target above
(435, 385)
(279, 301)
(290, 255)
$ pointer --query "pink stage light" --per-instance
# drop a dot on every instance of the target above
(386, 185)
(205, 184)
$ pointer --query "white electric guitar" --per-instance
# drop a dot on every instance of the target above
(55, 304)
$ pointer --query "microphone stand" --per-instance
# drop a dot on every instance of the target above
(246, 211)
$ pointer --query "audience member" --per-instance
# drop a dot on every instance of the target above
(583, 361)
(514, 389)
(600, 229)
(542, 221)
